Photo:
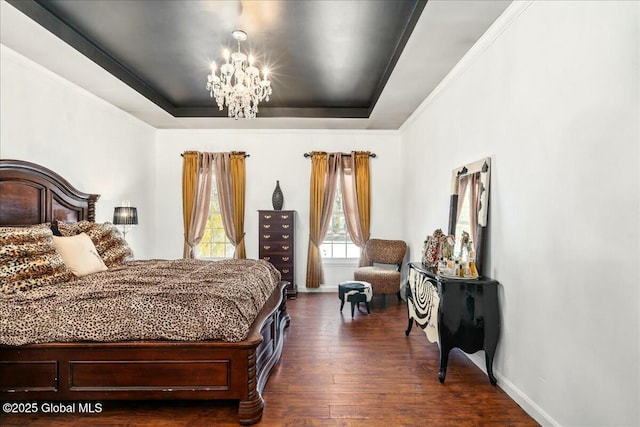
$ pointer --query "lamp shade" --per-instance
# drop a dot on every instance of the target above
(125, 215)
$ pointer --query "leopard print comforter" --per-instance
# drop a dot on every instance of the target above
(185, 300)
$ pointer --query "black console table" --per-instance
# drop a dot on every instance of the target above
(461, 313)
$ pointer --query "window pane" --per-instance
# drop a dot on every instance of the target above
(337, 243)
(214, 243)
(203, 250)
(218, 235)
(339, 251)
(353, 251)
(325, 250)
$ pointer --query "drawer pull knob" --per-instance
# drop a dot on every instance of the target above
(285, 225)
(266, 258)
(267, 225)
(285, 270)
(266, 236)
(285, 236)
(285, 247)
(284, 216)
(267, 247)
(267, 216)
(285, 258)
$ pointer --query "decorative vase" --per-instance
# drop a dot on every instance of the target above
(277, 198)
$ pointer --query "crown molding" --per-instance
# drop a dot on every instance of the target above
(510, 15)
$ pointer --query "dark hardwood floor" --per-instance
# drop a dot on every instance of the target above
(336, 371)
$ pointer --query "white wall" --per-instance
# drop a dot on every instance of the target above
(277, 155)
(97, 147)
(551, 94)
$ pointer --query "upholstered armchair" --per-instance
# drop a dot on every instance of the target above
(384, 280)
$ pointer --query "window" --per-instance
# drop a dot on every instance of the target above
(214, 243)
(337, 243)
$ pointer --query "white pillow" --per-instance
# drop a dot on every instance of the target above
(79, 254)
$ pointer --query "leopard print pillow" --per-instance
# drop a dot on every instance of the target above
(68, 229)
(110, 244)
(107, 239)
(28, 259)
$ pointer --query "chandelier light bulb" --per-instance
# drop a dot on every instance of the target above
(238, 86)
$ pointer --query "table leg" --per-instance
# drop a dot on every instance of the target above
(488, 356)
(409, 326)
(444, 360)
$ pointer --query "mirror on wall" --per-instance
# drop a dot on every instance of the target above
(469, 209)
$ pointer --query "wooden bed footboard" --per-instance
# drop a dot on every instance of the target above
(143, 370)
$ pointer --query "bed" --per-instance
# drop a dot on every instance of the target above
(128, 370)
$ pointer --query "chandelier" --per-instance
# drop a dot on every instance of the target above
(239, 86)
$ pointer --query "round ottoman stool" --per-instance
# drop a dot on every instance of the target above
(355, 292)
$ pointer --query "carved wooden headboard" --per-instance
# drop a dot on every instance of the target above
(32, 194)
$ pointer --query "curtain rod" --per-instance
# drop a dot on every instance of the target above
(307, 155)
(246, 155)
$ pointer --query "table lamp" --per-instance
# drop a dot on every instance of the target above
(125, 216)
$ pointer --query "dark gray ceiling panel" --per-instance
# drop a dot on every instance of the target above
(328, 58)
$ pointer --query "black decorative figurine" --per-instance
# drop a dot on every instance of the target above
(278, 198)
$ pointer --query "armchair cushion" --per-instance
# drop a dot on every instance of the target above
(385, 280)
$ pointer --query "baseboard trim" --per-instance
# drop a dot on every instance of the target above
(322, 288)
(515, 393)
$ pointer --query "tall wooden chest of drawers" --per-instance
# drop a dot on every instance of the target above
(276, 244)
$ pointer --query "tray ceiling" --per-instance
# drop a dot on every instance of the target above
(328, 59)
